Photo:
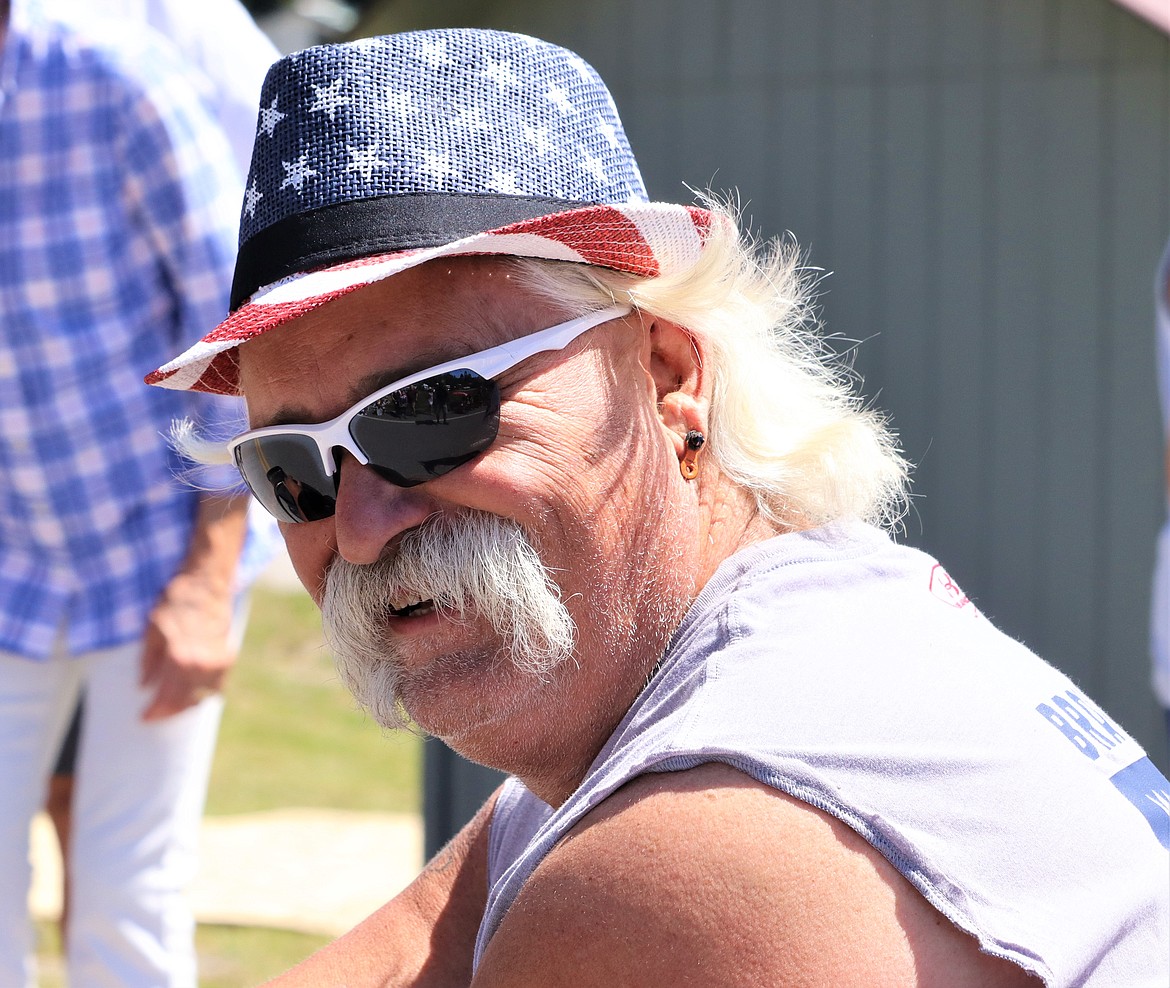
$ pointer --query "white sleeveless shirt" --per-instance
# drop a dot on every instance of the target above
(852, 674)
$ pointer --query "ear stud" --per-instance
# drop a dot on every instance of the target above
(688, 465)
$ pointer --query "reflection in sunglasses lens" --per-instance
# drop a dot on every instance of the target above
(409, 436)
(427, 429)
(285, 474)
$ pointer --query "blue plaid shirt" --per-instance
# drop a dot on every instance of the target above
(118, 201)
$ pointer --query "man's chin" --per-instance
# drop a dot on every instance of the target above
(463, 694)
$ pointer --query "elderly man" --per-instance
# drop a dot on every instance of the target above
(752, 741)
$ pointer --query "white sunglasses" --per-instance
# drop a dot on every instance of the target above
(411, 431)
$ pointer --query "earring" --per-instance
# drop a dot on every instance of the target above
(688, 465)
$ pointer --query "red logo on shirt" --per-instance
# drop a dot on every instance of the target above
(947, 590)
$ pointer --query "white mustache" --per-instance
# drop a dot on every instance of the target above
(472, 564)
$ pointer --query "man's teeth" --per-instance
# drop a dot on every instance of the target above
(414, 610)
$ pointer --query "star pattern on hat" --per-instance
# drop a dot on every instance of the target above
(505, 182)
(433, 51)
(252, 196)
(329, 98)
(438, 166)
(559, 98)
(539, 139)
(469, 113)
(296, 172)
(609, 132)
(595, 166)
(270, 116)
(500, 71)
(365, 159)
(401, 102)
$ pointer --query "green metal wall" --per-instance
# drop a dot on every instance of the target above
(988, 182)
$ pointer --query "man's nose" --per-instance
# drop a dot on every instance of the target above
(371, 511)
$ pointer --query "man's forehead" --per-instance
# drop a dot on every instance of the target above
(429, 354)
(384, 332)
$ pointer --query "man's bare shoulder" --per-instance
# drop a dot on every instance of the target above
(707, 877)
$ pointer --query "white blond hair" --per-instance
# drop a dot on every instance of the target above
(786, 422)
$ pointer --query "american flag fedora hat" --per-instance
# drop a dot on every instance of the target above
(377, 155)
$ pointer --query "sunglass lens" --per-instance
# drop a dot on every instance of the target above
(285, 474)
(427, 429)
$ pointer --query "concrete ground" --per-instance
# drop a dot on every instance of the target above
(314, 871)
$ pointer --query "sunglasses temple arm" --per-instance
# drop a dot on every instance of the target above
(508, 355)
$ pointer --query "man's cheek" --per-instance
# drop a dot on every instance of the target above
(309, 554)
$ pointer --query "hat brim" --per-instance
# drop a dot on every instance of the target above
(646, 239)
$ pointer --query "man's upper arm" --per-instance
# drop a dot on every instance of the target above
(707, 877)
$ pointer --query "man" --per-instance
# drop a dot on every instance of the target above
(117, 194)
(752, 741)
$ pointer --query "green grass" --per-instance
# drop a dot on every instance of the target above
(293, 736)
(236, 956)
(229, 956)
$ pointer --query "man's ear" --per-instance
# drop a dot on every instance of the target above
(680, 384)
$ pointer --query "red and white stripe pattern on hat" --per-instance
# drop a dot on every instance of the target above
(647, 239)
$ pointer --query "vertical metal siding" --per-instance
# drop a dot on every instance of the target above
(988, 184)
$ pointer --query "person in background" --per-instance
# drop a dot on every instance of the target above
(118, 192)
(59, 808)
(751, 739)
(226, 51)
(228, 56)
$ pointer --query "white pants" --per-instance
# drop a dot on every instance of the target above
(138, 801)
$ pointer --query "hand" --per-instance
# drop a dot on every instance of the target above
(186, 649)
(187, 644)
